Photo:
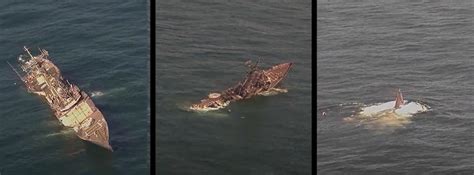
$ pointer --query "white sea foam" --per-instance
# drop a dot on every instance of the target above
(210, 108)
(96, 94)
(64, 132)
(270, 92)
(110, 92)
(273, 91)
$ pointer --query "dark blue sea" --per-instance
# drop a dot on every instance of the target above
(366, 50)
(101, 46)
(201, 48)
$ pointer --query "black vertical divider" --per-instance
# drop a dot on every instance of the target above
(313, 86)
(152, 75)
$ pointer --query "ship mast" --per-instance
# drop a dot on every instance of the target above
(26, 49)
(18, 74)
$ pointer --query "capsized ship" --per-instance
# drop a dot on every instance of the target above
(71, 106)
(257, 82)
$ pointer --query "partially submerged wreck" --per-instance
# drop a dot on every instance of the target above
(71, 106)
(257, 82)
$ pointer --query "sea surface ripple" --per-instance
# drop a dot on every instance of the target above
(367, 49)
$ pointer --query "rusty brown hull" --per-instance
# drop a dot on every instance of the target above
(277, 73)
(256, 82)
(71, 106)
(97, 131)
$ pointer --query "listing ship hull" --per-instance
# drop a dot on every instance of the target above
(255, 83)
(71, 106)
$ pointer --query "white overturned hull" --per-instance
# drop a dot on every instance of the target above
(406, 110)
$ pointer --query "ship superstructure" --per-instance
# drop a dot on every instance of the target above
(257, 82)
(71, 106)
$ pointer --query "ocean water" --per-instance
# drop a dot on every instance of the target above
(103, 47)
(368, 49)
(201, 48)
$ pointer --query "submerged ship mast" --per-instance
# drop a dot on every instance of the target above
(18, 74)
